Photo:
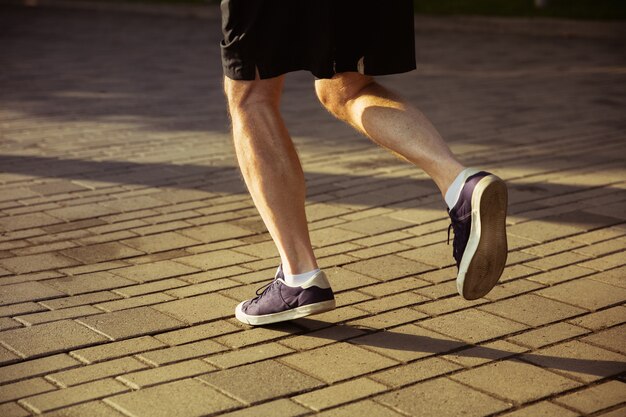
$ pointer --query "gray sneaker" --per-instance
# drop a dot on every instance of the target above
(277, 301)
(479, 224)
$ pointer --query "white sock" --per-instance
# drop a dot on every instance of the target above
(299, 279)
(454, 191)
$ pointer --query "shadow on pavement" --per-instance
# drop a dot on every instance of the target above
(391, 340)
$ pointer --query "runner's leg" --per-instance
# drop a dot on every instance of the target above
(271, 168)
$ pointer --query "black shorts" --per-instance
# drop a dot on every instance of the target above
(325, 37)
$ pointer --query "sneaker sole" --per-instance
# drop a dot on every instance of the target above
(486, 251)
(286, 315)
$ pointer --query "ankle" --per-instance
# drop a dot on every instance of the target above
(295, 268)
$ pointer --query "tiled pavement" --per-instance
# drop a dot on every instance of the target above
(127, 237)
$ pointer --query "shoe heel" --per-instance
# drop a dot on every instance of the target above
(491, 252)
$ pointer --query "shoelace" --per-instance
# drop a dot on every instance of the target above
(262, 290)
(455, 226)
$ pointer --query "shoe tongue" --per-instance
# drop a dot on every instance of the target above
(279, 273)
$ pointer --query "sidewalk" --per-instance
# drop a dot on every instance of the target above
(127, 236)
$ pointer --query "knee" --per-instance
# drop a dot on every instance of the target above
(338, 93)
(246, 96)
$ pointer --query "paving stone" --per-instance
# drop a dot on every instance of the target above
(197, 332)
(38, 262)
(133, 302)
(79, 300)
(438, 255)
(595, 398)
(282, 407)
(602, 248)
(586, 293)
(472, 326)
(391, 302)
(322, 337)
(167, 373)
(17, 390)
(601, 319)
(340, 393)
(618, 412)
(551, 248)
(26, 291)
(91, 409)
(515, 381)
(151, 287)
(117, 349)
(85, 269)
(33, 276)
(396, 286)
(258, 334)
(80, 284)
(389, 319)
(13, 410)
(414, 372)
(407, 343)
(442, 397)
(548, 335)
(132, 322)
(215, 260)
(342, 361)
(485, 353)
(248, 383)
(556, 261)
(199, 308)
(160, 242)
(374, 225)
(215, 232)
(188, 397)
(604, 263)
(579, 360)
(98, 371)
(613, 277)
(560, 275)
(66, 313)
(50, 338)
(260, 250)
(517, 271)
(532, 310)
(68, 396)
(438, 291)
(27, 221)
(542, 230)
(613, 339)
(182, 352)
(388, 267)
(332, 236)
(542, 409)
(80, 212)
(36, 367)
(361, 408)
(101, 252)
(371, 252)
(202, 288)
(248, 355)
(133, 203)
(235, 272)
(7, 323)
(512, 288)
(382, 238)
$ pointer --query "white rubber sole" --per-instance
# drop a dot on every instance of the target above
(287, 315)
(486, 251)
